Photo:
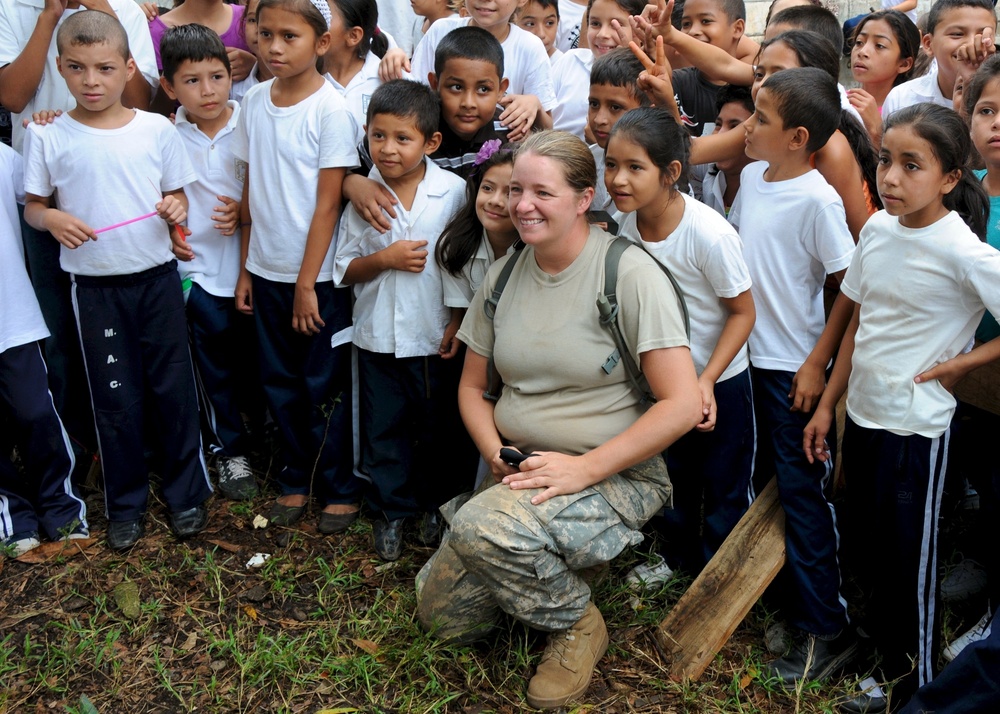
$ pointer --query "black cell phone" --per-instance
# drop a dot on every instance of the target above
(513, 457)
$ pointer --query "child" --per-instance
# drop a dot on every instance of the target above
(223, 18)
(541, 19)
(196, 74)
(714, 22)
(290, 205)
(613, 91)
(795, 113)
(481, 232)
(950, 24)
(431, 11)
(530, 98)
(711, 466)
(126, 288)
(30, 82)
(401, 323)
(469, 79)
(261, 71)
(885, 46)
(571, 14)
(45, 500)
(570, 77)
(920, 279)
(716, 185)
(356, 47)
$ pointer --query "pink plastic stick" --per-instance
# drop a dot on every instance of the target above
(124, 223)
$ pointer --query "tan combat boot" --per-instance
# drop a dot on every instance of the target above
(568, 661)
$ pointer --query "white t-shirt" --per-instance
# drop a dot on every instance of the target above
(399, 312)
(705, 256)
(922, 293)
(285, 148)
(459, 289)
(794, 233)
(216, 264)
(398, 19)
(240, 89)
(555, 56)
(571, 83)
(358, 92)
(17, 22)
(921, 89)
(526, 64)
(103, 177)
(570, 17)
(21, 320)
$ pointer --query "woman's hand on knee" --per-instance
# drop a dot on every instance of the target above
(558, 474)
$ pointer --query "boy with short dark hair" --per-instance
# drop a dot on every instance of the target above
(797, 111)
(950, 24)
(541, 19)
(469, 80)
(719, 23)
(197, 74)
(401, 325)
(614, 89)
(126, 291)
(716, 185)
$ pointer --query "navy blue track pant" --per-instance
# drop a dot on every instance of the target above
(224, 347)
(42, 499)
(134, 336)
(307, 385)
(812, 571)
(894, 486)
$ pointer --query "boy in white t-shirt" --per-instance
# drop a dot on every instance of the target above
(794, 233)
(126, 288)
(197, 74)
(45, 500)
(950, 24)
(541, 19)
(402, 328)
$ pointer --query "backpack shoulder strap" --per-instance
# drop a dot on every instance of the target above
(494, 382)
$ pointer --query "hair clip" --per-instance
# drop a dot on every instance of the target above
(324, 10)
(488, 149)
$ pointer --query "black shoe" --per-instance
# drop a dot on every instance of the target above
(281, 515)
(869, 699)
(187, 523)
(330, 523)
(388, 538)
(812, 658)
(122, 535)
(429, 529)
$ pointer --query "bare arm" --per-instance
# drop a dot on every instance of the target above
(840, 168)
(305, 310)
(814, 434)
(244, 288)
(735, 332)
(19, 80)
(809, 381)
(717, 147)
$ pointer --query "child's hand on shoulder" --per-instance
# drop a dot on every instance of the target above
(306, 319)
(520, 111)
(227, 216)
(371, 200)
(69, 230)
(42, 117)
(172, 210)
(393, 65)
(409, 256)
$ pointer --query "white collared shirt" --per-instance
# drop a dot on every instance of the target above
(216, 264)
(359, 90)
(399, 312)
(459, 289)
(17, 22)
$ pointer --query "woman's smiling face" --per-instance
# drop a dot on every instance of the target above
(543, 205)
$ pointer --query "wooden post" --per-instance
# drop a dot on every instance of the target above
(707, 614)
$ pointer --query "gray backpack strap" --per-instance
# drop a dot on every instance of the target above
(607, 307)
(494, 382)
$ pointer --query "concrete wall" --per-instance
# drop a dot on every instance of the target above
(757, 11)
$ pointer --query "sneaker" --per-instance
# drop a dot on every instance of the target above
(870, 699)
(966, 580)
(387, 537)
(650, 576)
(777, 639)
(568, 661)
(976, 633)
(18, 544)
(236, 479)
(811, 658)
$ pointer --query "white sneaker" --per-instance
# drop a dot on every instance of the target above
(975, 634)
(650, 576)
(13, 548)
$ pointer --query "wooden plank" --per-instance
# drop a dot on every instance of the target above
(707, 614)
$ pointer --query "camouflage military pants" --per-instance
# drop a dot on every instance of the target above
(505, 555)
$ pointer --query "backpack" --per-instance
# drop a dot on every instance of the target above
(607, 307)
